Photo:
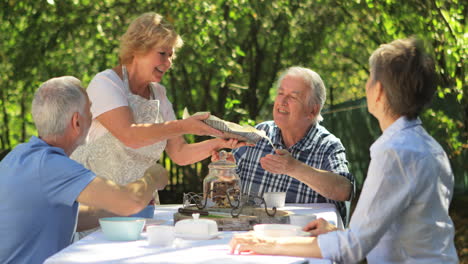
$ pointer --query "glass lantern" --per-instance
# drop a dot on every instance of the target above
(221, 187)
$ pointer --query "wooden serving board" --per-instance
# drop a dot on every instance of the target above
(245, 222)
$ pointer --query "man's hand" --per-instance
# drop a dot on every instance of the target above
(282, 163)
(160, 174)
(215, 156)
(319, 226)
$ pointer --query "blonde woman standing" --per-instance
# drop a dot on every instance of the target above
(133, 120)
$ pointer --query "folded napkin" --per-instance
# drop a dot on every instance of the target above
(231, 130)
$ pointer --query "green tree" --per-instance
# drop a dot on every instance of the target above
(233, 52)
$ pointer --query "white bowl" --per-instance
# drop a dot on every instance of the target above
(122, 228)
(278, 230)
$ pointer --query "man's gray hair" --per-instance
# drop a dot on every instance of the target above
(317, 95)
(54, 104)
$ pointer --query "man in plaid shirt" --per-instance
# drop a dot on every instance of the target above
(309, 163)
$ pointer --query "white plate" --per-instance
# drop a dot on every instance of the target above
(197, 237)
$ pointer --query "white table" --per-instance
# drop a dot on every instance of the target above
(96, 249)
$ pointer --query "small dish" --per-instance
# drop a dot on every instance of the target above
(197, 237)
(122, 228)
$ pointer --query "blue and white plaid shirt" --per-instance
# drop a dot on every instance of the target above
(319, 149)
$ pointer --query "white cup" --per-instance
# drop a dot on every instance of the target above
(301, 219)
(274, 199)
(159, 235)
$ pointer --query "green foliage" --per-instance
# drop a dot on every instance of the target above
(233, 52)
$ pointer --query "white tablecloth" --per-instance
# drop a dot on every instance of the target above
(96, 249)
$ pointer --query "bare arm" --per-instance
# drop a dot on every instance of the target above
(155, 177)
(290, 246)
(120, 123)
(330, 185)
(182, 153)
(121, 200)
(88, 217)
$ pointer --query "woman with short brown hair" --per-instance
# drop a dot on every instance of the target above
(402, 212)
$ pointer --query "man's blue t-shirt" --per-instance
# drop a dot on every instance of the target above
(39, 185)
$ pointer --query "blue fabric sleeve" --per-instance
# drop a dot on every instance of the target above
(63, 179)
(386, 193)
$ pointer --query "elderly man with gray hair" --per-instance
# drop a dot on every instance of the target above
(309, 163)
(40, 186)
(402, 213)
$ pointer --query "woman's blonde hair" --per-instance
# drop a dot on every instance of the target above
(146, 32)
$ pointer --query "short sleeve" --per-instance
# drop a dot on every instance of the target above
(106, 91)
(63, 179)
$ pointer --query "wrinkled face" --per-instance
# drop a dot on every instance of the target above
(152, 65)
(292, 108)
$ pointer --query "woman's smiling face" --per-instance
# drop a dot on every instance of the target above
(153, 65)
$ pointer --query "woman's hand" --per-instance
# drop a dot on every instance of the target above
(287, 246)
(227, 143)
(319, 226)
(232, 143)
(249, 242)
(195, 125)
(281, 163)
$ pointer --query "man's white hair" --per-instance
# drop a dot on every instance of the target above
(54, 104)
(317, 94)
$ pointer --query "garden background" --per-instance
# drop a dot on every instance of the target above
(233, 52)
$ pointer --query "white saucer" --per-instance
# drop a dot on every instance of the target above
(197, 237)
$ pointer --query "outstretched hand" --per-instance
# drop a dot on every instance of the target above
(195, 125)
(228, 143)
(232, 143)
(160, 174)
(281, 163)
(319, 226)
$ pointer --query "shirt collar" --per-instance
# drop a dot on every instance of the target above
(400, 124)
(276, 137)
(35, 141)
(303, 144)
